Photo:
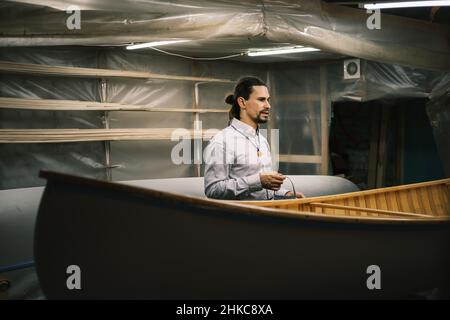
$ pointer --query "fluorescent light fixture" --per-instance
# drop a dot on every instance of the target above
(153, 44)
(406, 4)
(280, 51)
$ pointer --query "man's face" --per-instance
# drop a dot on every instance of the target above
(257, 106)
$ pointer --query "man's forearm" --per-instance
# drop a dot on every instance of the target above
(233, 188)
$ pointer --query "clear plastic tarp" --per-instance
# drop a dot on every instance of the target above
(20, 163)
(152, 159)
(227, 26)
(295, 90)
(405, 58)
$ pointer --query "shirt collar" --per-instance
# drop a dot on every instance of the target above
(244, 128)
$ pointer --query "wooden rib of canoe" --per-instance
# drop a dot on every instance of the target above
(131, 242)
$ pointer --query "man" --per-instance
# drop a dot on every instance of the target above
(238, 161)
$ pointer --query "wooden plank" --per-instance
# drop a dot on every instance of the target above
(382, 201)
(298, 97)
(361, 202)
(270, 125)
(339, 211)
(79, 135)
(445, 198)
(74, 105)
(382, 150)
(319, 209)
(434, 201)
(324, 104)
(396, 201)
(423, 195)
(403, 202)
(441, 200)
(388, 201)
(400, 145)
(415, 200)
(391, 200)
(375, 115)
(196, 126)
(47, 70)
(299, 158)
(388, 212)
(372, 202)
(350, 202)
(103, 98)
(315, 133)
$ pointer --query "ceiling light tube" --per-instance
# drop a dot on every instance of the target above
(406, 4)
(281, 51)
(153, 44)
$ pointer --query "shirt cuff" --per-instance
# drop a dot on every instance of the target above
(254, 182)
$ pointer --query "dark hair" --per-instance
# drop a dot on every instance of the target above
(243, 89)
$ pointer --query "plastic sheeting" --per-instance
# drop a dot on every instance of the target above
(296, 101)
(344, 30)
(21, 163)
(380, 80)
(296, 114)
(152, 159)
(438, 110)
(298, 120)
(229, 27)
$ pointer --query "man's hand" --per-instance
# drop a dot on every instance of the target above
(271, 180)
(298, 195)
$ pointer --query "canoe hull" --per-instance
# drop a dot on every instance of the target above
(130, 244)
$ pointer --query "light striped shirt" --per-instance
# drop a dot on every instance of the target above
(233, 165)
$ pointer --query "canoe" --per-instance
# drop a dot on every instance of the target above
(131, 242)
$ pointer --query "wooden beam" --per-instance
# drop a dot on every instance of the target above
(298, 98)
(400, 145)
(324, 104)
(298, 158)
(375, 115)
(383, 147)
(47, 70)
(80, 135)
(71, 105)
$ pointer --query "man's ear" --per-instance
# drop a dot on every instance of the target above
(241, 102)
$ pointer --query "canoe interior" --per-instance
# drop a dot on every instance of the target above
(420, 200)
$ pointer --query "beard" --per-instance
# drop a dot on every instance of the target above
(262, 120)
(262, 117)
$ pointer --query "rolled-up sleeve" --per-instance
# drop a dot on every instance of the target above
(218, 184)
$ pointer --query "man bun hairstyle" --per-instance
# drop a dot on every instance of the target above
(243, 89)
(229, 99)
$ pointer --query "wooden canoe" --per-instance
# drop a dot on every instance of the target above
(131, 242)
